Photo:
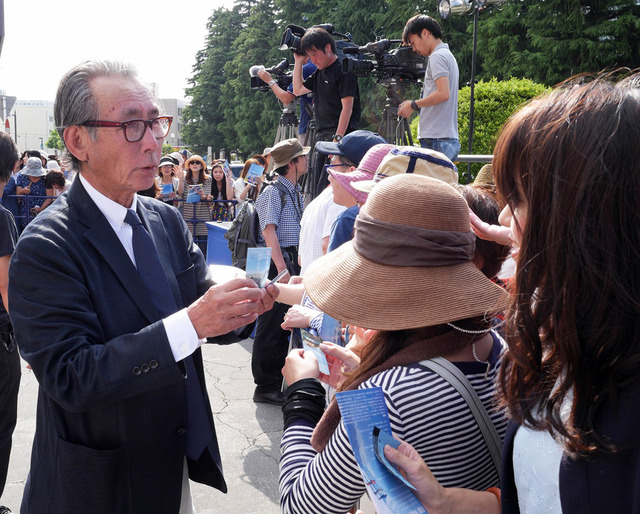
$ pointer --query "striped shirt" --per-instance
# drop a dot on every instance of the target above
(425, 411)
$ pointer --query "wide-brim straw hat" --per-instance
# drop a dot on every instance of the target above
(403, 285)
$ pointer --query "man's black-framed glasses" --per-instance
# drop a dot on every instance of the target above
(134, 129)
(329, 166)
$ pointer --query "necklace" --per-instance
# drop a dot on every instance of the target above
(485, 331)
(475, 356)
(473, 345)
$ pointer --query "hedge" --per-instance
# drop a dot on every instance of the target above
(495, 101)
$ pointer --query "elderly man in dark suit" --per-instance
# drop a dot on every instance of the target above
(110, 301)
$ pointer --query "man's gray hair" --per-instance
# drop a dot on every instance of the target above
(75, 103)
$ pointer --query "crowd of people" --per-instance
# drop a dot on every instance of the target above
(522, 285)
(40, 178)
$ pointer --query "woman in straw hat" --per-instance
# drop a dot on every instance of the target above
(412, 280)
(568, 165)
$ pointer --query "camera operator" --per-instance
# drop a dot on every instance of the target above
(287, 97)
(336, 103)
(438, 125)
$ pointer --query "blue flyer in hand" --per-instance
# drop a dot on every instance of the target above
(311, 343)
(258, 263)
(254, 172)
(362, 411)
(331, 330)
(380, 439)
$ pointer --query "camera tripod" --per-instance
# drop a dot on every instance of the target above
(288, 124)
(394, 129)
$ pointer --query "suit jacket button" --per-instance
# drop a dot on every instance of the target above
(145, 368)
(153, 364)
(182, 431)
(136, 370)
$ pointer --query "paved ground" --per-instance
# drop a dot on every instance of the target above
(249, 434)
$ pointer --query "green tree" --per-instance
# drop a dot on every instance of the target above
(552, 40)
(203, 118)
(251, 116)
(54, 141)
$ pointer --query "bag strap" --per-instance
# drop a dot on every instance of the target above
(450, 372)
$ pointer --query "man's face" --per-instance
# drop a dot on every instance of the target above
(302, 165)
(421, 43)
(114, 166)
(340, 195)
(321, 58)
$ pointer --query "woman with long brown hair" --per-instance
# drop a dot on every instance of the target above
(245, 190)
(568, 165)
(196, 209)
(412, 280)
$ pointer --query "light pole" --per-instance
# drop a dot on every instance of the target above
(448, 7)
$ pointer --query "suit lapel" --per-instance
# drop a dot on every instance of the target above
(101, 236)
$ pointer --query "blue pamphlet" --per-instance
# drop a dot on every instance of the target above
(258, 263)
(331, 330)
(310, 343)
(166, 189)
(380, 439)
(363, 410)
(226, 168)
(254, 172)
(193, 195)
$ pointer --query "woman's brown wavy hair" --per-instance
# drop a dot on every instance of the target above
(572, 159)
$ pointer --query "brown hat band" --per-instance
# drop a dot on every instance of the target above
(402, 245)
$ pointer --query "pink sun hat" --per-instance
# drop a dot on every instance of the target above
(365, 170)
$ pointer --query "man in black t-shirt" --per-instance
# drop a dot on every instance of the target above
(336, 98)
(9, 358)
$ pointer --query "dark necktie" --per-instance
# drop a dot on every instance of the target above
(153, 276)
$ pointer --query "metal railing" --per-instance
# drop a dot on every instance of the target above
(27, 202)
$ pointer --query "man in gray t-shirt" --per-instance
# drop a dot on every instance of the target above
(438, 126)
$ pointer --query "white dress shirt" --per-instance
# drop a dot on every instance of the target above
(182, 336)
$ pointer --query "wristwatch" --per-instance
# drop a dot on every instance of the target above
(271, 82)
(414, 105)
(337, 137)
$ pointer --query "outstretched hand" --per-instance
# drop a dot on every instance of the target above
(340, 360)
(483, 230)
(299, 365)
(229, 306)
(298, 316)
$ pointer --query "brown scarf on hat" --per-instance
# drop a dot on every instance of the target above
(439, 345)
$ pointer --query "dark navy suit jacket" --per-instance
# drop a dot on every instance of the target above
(601, 483)
(110, 431)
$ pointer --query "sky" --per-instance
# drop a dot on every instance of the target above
(46, 38)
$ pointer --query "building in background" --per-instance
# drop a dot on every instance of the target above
(31, 124)
(174, 107)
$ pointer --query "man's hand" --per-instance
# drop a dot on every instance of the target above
(299, 59)
(265, 76)
(404, 109)
(229, 306)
